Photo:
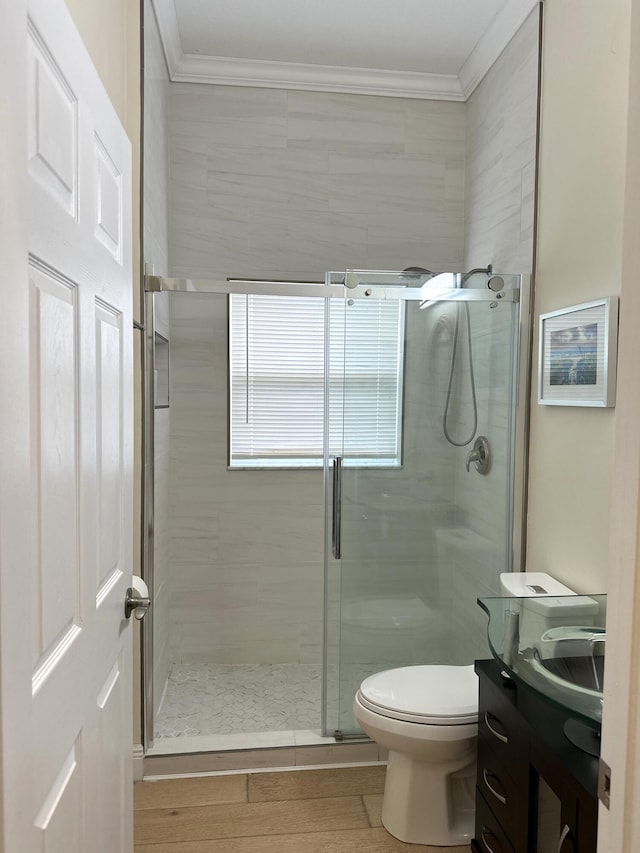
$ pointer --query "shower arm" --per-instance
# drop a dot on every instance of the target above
(486, 270)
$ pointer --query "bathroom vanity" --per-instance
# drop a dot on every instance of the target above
(536, 791)
(540, 714)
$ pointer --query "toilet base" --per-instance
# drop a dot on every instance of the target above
(424, 805)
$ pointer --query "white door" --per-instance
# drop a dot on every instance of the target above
(66, 662)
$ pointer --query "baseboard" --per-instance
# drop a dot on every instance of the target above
(138, 762)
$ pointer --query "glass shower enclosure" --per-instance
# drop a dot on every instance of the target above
(417, 526)
(419, 519)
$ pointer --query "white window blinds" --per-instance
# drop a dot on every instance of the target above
(277, 369)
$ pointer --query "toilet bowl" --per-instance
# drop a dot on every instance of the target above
(426, 716)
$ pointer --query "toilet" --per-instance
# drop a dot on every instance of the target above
(426, 716)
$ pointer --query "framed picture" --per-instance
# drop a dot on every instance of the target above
(577, 357)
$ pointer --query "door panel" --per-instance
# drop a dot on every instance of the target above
(55, 383)
(60, 820)
(53, 125)
(109, 469)
(80, 331)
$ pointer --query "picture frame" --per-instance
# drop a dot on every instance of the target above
(578, 353)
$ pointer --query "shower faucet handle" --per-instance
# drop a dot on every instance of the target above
(480, 455)
(472, 456)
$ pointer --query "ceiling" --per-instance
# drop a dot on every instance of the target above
(414, 48)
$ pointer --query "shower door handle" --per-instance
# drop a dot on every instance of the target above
(336, 520)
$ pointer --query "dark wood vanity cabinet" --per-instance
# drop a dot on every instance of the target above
(536, 792)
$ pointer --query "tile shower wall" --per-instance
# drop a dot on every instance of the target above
(246, 547)
(291, 184)
(267, 183)
(156, 248)
(499, 222)
(156, 160)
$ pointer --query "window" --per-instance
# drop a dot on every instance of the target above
(277, 389)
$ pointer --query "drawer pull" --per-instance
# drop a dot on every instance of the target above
(487, 832)
(565, 836)
(493, 731)
(499, 797)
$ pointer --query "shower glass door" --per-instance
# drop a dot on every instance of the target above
(412, 537)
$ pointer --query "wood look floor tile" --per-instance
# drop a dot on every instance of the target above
(333, 841)
(373, 805)
(313, 784)
(196, 791)
(153, 826)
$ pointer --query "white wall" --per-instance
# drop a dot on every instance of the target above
(581, 197)
(583, 521)
(619, 828)
(110, 29)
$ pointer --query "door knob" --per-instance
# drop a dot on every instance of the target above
(137, 599)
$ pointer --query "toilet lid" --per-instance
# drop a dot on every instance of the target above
(436, 695)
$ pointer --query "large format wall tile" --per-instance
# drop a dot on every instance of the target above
(500, 158)
(156, 160)
(280, 184)
(333, 122)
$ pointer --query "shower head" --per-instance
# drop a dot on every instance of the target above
(418, 272)
(437, 286)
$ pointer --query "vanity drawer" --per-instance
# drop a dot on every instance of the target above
(496, 730)
(498, 788)
(499, 722)
(490, 836)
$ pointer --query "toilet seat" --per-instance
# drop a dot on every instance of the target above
(431, 695)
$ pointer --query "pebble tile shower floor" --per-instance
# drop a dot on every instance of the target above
(212, 699)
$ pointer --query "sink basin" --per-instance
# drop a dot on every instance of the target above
(582, 674)
(572, 656)
(563, 663)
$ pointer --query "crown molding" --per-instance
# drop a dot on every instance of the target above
(195, 68)
(229, 71)
(498, 35)
(165, 12)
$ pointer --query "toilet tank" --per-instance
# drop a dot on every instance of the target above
(549, 604)
(531, 585)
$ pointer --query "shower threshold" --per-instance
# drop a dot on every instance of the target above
(240, 741)
(212, 755)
